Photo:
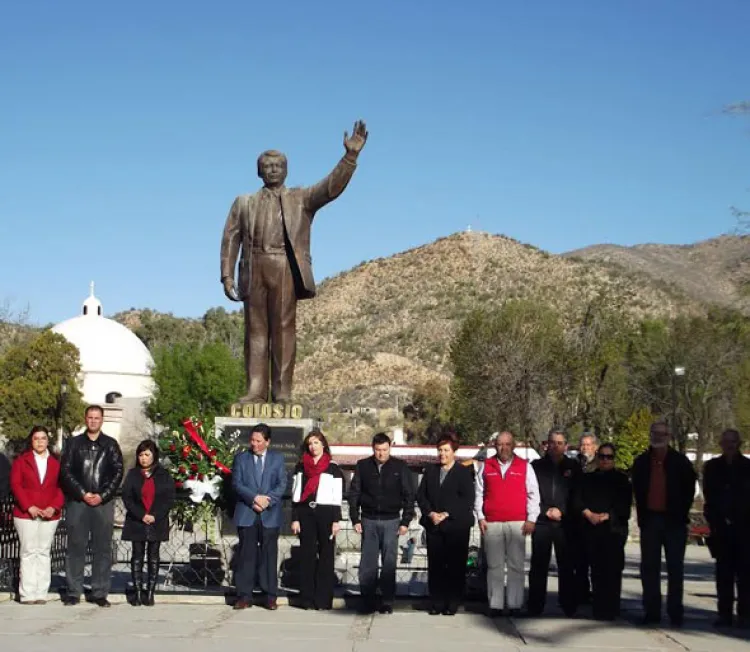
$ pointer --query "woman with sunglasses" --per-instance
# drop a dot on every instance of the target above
(604, 498)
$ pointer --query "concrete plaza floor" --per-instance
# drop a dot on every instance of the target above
(180, 623)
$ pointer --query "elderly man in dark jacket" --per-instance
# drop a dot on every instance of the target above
(381, 506)
(557, 475)
(726, 493)
(664, 486)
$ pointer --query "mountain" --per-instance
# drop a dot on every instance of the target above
(713, 271)
(378, 330)
(375, 332)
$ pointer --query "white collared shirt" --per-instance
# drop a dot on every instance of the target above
(41, 464)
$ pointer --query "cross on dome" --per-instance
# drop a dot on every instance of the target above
(92, 307)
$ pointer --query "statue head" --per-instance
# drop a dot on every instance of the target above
(272, 168)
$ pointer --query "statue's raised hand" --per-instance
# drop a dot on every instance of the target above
(356, 142)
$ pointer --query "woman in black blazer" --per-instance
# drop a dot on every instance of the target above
(148, 494)
(316, 512)
(446, 500)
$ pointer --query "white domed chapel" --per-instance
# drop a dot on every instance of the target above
(115, 369)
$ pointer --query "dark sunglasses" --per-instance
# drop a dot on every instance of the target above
(605, 456)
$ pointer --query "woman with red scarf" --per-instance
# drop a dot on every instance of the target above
(316, 512)
(148, 494)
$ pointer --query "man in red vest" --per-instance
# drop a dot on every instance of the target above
(506, 507)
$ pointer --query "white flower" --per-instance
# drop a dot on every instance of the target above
(199, 488)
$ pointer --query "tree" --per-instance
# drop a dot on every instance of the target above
(194, 380)
(592, 386)
(31, 374)
(633, 438)
(426, 417)
(506, 362)
(713, 349)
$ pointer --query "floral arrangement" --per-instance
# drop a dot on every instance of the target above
(199, 461)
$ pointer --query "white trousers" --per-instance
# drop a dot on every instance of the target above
(36, 542)
(505, 546)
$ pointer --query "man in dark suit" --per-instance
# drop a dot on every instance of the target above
(557, 475)
(272, 228)
(664, 487)
(726, 493)
(259, 480)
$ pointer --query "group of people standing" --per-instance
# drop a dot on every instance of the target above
(580, 508)
(84, 482)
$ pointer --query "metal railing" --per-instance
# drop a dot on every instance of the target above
(198, 558)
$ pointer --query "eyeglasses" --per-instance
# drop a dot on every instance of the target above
(605, 456)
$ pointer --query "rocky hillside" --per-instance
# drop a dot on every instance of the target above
(715, 271)
(378, 330)
(386, 325)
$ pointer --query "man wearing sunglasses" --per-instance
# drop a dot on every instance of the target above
(556, 474)
(664, 487)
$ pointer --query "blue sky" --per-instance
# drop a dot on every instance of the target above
(127, 129)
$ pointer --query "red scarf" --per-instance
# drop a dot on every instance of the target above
(312, 473)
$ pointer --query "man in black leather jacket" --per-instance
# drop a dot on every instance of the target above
(90, 474)
(556, 474)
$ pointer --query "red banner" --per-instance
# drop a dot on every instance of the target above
(200, 443)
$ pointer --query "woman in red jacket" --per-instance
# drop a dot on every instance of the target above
(38, 503)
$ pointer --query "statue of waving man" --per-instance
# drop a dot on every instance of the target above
(270, 233)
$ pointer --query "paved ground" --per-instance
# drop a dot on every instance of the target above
(174, 624)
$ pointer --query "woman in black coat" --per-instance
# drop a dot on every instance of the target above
(148, 493)
(604, 498)
(316, 512)
(446, 500)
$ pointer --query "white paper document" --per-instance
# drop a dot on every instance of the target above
(330, 490)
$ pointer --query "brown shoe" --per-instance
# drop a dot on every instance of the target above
(40, 602)
(243, 603)
(272, 605)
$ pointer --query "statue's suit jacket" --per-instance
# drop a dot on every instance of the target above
(298, 207)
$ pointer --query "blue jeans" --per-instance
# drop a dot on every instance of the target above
(379, 541)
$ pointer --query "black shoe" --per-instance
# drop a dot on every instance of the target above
(495, 613)
(148, 597)
(743, 623)
(450, 611)
(71, 601)
(515, 613)
(386, 609)
(138, 597)
(677, 622)
(723, 621)
(434, 610)
(102, 602)
(366, 608)
(649, 620)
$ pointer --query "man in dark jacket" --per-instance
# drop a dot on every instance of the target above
(726, 493)
(381, 506)
(664, 486)
(90, 473)
(556, 474)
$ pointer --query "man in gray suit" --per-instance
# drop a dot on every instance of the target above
(272, 229)
(259, 479)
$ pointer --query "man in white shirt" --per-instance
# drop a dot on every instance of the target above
(506, 507)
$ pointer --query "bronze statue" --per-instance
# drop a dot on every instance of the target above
(272, 229)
